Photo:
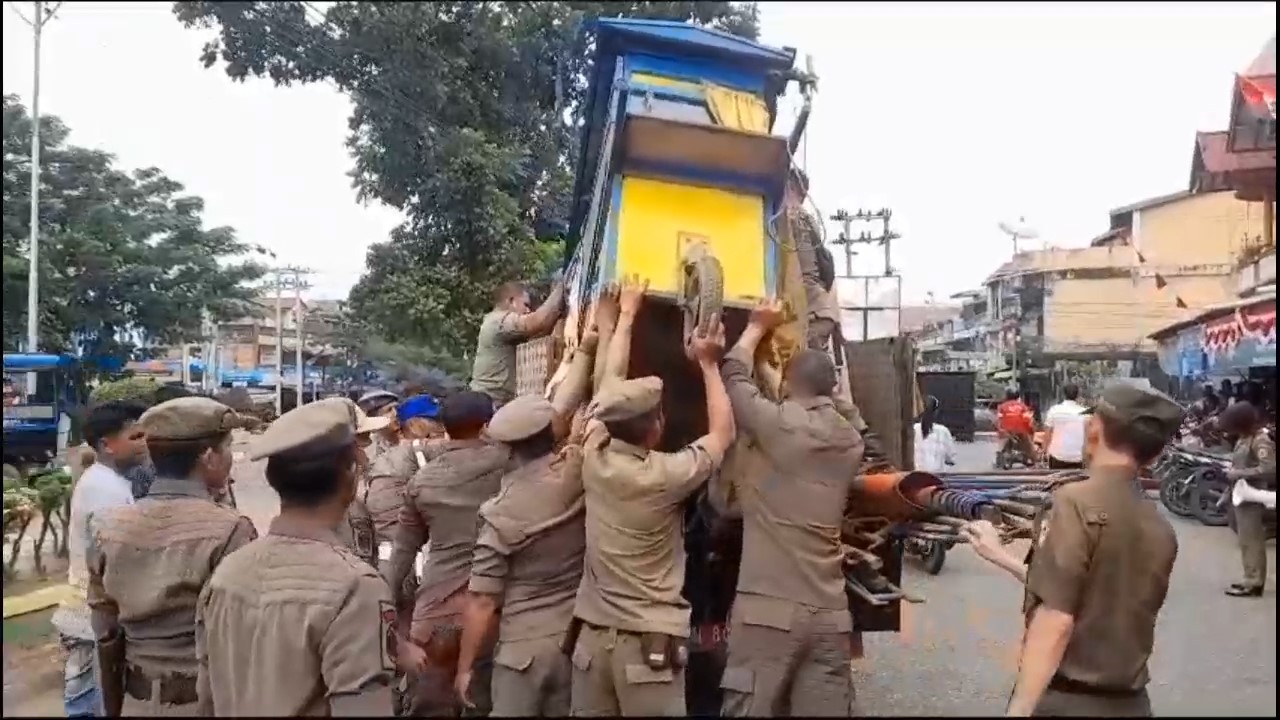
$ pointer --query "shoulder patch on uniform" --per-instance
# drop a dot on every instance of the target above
(1044, 528)
(387, 631)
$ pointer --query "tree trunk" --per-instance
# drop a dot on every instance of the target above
(38, 549)
(10, 568)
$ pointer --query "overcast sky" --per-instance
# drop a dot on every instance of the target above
(955, 115)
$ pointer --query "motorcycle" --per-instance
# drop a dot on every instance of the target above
(1192, 484)
(1012, 452)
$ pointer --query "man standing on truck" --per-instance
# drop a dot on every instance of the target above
(789, 642)
(631, 620)
(816, 268)
(508, 324)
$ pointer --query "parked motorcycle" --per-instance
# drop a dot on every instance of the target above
(1192, 482)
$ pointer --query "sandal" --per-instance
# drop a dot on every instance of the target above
(1242, 590)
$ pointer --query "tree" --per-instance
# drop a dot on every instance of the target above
(125, 260)
(466, 118)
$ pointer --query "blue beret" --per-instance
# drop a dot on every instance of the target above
(423, 406)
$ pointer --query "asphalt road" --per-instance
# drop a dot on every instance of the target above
(957, 653)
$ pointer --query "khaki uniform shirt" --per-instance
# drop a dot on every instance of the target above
(494, 370)
(1103, 554)
(793, 506)
(441, 504)
(388, 476)
(296, 624)
(1256, 455)
(357, 532)
(147, 565)
(635, 560)
(531, 544)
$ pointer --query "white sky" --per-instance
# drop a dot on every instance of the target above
(955, 115)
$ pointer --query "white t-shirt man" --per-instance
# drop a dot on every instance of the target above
(1066, 420)
(99, 488)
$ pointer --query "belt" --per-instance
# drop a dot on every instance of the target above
(1075, 687)
(174, 689)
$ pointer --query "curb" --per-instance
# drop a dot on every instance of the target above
(36, 600)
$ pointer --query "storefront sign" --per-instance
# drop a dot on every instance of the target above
(1245, 338)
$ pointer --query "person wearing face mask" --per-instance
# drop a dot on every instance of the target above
(149, 560)
(295, 624)
(1098, 570)
(381, 403)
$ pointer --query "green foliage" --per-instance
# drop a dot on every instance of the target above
(466, 118)
(120, 253)
(132, 389)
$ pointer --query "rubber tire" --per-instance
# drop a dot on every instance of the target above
(1168, 482)
(703, 296)
(935, 557)
(1201, 505)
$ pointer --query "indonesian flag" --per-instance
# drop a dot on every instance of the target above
(1259, 92)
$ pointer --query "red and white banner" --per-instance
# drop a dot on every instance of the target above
(1257, 323)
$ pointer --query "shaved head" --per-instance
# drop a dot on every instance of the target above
(811, 373)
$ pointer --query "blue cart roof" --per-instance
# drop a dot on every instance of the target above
(620, 35)
(26, 362)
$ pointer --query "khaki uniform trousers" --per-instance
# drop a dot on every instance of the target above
(155, 706)
(430, 693)
(531, 678)
(611, 678)
(1057, 703)
(1251, 533)
(804, 671)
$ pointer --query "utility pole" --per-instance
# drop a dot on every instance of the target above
(289, 277)
(884, 239)
(42, 15)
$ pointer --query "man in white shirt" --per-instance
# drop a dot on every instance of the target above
(1064, 431)
(119, 444)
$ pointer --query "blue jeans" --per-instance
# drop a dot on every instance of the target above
(80, 696)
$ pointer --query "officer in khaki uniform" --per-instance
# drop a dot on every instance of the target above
(441, 503)
(508, 324)
(632, 620)
(1098, 572)
(295, 623)
(789, 643)
(149, 560)
(1253, 460)
(357, 532)
(528, 555)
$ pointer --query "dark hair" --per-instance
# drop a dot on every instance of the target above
(464, 414)
(178, 459)
(1143, 439)
(1254, 394)
(813, 372)
(109, 418)
(1240, 417)
(634, 430)
(1071, 391)
(165, 393)
(508, 291)
(311, 479)
(928, 416)
(376, 404)
(1011, 394)
(541, 444)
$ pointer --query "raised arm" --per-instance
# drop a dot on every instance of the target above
(576, 386)
(518, 328)
(687, 469)
(754, 413)
(630, 298)
(606, 316)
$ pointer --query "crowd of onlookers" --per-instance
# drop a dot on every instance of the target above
(1203, 421)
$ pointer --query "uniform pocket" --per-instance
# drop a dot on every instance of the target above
(639, 674)
(513, 657)
(766, 612)
(739, 680)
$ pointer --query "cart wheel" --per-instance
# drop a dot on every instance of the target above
(934, 557)
(702, 296)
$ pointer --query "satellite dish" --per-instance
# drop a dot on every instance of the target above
(1018, 231)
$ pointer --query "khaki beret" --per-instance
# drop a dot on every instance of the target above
(320, 425)
(628, 399)
(521, 418)
(1127, 402)
(188, 418)
(360, 420)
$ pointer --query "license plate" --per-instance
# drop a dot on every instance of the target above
(709, 636)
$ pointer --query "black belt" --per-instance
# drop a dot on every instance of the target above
(174, 689)
(1075, 687)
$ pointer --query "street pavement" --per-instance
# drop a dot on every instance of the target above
(957, 652)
